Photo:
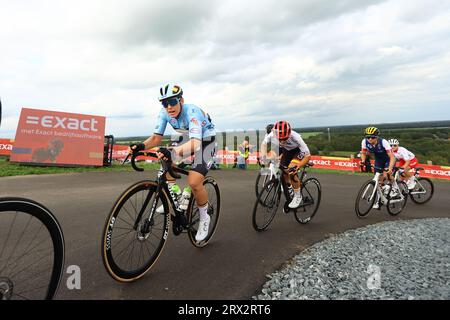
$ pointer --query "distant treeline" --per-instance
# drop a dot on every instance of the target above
(360, 128)
(427, 144)
(428, 140)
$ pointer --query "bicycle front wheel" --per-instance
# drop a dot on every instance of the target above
(266, 205)
(423, 191)
(31, 250)
(213, 211)
(365, 199)
(133, 237)
(397, 202)
(311, 194)
(261, 180)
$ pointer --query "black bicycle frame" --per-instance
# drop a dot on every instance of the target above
(161, 186)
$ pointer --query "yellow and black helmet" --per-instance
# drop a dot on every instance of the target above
(371, 131)
(170, 91)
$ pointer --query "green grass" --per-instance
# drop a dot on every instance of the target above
(13, 169)
(344, 154)
(306, 135)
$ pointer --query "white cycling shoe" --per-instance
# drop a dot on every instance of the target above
(203, 228)
(376, 205)
(295, 203)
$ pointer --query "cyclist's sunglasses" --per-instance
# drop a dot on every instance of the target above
(371, 137)
(172, 102)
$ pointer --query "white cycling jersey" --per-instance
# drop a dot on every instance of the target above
(404, 154)
(294, 141)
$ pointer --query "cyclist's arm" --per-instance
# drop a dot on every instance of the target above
(363, 151)
(263, 149)
(304, 161)
(153, 141)
(391, 155)
(264, 144)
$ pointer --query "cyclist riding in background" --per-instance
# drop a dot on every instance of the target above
(407, 161)
(291, 146)
(199, 139)
(384, 157)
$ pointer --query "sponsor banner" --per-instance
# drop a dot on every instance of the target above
(335, 163)
(6, 146)
(437, 172)
(345, 164)
(59, 138)
(120, 152)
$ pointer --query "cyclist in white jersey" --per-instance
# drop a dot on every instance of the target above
(291, 146)
(407, 161)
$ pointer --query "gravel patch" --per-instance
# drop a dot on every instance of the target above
(396, 260)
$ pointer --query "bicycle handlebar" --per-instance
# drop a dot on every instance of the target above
(167, 165)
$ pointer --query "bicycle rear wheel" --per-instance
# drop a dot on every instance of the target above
(213, 210)
(31, 250)
(397, 203)
(266, 205)
(365, 200)
(423, 191)
(132, 240)
(311, 194)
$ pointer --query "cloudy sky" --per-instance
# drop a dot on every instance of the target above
(248, 63)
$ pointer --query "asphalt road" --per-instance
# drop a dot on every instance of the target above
(233, 265)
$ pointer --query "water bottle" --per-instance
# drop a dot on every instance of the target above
(176, 194)
(185, 198)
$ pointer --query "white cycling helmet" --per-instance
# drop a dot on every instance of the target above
(393, 142)
(170, 91)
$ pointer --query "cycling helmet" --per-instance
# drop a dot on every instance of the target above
(393, 142)
(170, 91)
(371, 131)
(269, 128)
(282, 130)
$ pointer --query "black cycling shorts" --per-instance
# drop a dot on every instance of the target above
(204, 157)
(288, 156)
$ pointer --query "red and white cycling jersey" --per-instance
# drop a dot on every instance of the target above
(294, 141)
(403, 155)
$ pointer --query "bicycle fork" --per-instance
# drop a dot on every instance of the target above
(144, 230)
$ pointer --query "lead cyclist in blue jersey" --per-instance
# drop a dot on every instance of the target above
(384, 157)
(199, 139)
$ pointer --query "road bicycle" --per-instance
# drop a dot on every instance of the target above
(423, 187)
(31, 250)
(135, 234)
(393, 195)
(269, 197)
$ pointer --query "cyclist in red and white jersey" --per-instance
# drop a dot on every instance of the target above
(291, 146)
(407, 161)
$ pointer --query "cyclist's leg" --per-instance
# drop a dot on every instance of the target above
(202, 162)
(379, 167)
(286, 158)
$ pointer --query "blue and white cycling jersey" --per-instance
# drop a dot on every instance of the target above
(381, 149)
(192, 120)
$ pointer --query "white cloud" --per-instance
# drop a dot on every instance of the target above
(247, 63)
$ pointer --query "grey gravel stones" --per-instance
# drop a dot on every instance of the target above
(391, 260)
